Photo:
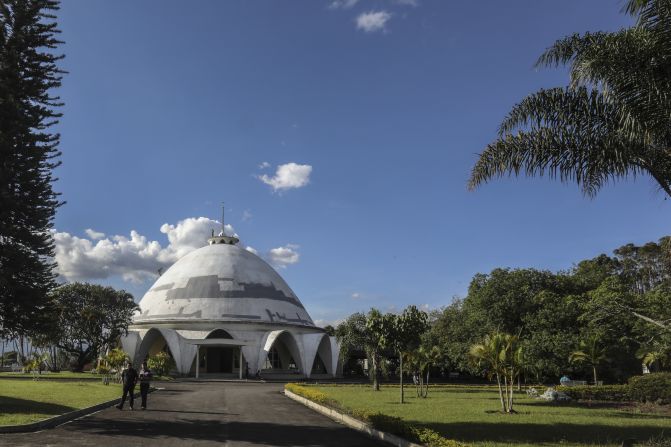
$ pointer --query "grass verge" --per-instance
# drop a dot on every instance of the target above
(469, 414)
(26, 401)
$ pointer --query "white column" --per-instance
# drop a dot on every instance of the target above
(197, 359)
(241, 363)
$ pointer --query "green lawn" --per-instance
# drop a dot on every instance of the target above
(469, 414)
(51, 375)
(25, 401)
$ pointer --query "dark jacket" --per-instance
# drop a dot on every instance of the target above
(129, 376)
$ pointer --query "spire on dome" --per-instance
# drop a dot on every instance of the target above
(221, 238)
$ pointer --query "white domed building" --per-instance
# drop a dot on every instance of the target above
(223, 310)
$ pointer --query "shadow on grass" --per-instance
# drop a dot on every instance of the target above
(13, 405)
(539, 433)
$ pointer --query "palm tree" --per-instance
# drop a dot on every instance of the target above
(590, 353)
(500, 355)
(612, 121)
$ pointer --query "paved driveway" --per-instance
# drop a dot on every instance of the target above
(199, 414)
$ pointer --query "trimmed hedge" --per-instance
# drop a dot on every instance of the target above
(654, 387)
(616, 393)
(379, 421)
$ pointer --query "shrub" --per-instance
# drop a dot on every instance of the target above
(160, 363)
(616, 393)
(311, 394)
(654, 387)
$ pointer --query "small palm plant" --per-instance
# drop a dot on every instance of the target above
(500, 355)
(590, 353)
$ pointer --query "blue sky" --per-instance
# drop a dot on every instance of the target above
(382, 105)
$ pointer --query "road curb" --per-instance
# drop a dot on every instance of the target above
(352, 422)
(63, 418)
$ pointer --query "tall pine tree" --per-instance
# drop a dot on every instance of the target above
(28, 155)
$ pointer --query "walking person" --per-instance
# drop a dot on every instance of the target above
(145, 381)
(128, 379)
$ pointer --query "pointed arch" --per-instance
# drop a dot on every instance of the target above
(321, 345)
(154, 340)
(288, 340)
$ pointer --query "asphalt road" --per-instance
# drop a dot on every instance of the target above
(201, 414)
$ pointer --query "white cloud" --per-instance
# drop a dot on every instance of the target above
(413, 3)
(288, 176)
(93, 234)
(283, 256)
(246, 215)
(134, 258)
(137, 259)
(264, 165)
(356, 295)
(373, 21)
(342, 4)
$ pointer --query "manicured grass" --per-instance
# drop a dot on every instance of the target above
(470, 414)
(25, 401)
(66, 375)
(53, 375)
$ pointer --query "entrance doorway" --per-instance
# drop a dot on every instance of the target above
(222, 359)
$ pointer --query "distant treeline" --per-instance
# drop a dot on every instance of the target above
(623, 301)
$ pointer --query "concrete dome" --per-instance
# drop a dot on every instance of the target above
(222, 282)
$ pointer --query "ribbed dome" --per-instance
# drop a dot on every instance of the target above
(225, 283)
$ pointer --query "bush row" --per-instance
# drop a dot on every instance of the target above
(651, 388)
(379, 421)
(616, 393)
(654, 388)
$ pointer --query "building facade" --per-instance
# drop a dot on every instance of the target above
(223, 310)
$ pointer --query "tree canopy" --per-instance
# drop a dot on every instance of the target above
(28, 153)
(90, 319)
(557, 314)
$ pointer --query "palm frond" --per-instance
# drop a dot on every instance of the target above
(570, 134)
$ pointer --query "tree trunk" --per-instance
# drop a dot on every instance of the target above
(400, 364)
(503, 402)
(594, 369)
(512, 384)
(376, 383)
(505, 385)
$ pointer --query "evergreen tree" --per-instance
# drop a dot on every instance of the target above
(28, 155)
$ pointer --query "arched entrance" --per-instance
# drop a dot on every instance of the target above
(220, 359)
(155, 341)
(281, 354)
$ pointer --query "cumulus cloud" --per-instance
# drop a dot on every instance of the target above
(342, 4)
(284, 256)
(264, 165)
(246, 215)
(373, 21)
(133, 257)
(137, 259)
(92, 234)
(288, 176)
